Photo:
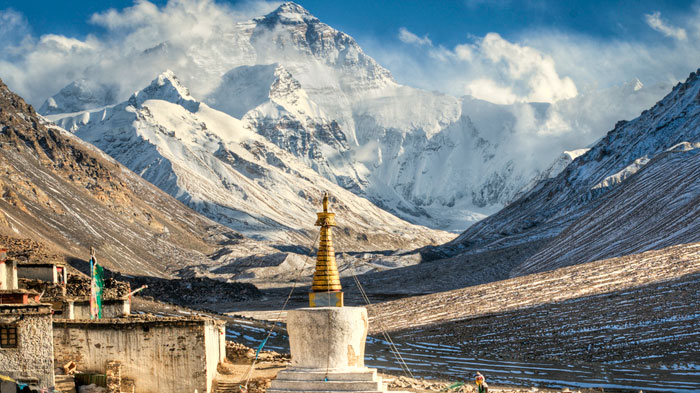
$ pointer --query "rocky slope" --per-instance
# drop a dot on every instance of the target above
(59, 190)
(634, 190)
(214, 164)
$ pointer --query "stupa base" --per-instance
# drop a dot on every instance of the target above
(328, 353)
(294, 380)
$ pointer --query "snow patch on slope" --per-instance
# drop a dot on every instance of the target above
(619, 177)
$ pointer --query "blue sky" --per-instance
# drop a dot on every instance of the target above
(446, 22)
(502, 51)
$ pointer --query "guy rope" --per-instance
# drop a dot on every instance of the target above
(249, 374)
(392, 347)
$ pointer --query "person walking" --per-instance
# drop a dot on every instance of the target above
(481, 385)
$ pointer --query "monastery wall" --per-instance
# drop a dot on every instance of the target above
(164, 355)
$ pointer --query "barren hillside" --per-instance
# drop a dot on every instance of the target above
(59, 190)
(636, 309)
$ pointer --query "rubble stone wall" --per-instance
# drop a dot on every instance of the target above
(159, 356)
(34, 355)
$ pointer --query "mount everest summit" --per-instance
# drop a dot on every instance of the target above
(428, 158)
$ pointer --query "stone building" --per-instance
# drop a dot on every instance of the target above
(144, 354)
(160, 355)
(26, 340)
(55, 273)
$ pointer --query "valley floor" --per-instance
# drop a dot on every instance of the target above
(622, 323)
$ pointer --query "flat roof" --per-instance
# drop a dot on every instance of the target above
(39, 264)
(133, 321)
(29, 308)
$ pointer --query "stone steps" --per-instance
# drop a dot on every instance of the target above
(319, 381)
(368, 374)
(226, 387)
(334, 386)
(65, 383)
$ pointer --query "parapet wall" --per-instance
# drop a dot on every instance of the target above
(113, 308)
(165, 355)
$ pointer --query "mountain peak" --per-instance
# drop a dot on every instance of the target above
(289, 13)
(166, 87)
(80, 95)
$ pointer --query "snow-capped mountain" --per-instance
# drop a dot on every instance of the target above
(78, 96)
(635, 190)
(429, 158)
(215, 164)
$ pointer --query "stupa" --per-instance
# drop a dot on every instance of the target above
(327, 340)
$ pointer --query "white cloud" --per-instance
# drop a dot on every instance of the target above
(655, 22)
(496, 70)
(12, 24)
(138, 43)
(532, 75)
(489, 90)
(410, 38)
(63, 44)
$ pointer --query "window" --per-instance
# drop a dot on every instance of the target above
(8, 336)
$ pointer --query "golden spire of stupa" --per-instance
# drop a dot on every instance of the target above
(326, 279)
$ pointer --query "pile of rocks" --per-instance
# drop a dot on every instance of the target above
(27, 250)
(79, 286)
(259, 385)
(49, 289)
(236, 352)
(198, 292)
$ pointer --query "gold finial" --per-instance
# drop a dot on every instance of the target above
(326, 278)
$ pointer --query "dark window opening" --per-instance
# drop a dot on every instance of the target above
(8, 336)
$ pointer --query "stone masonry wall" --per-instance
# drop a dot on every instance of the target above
(159, 356)
(34, 355)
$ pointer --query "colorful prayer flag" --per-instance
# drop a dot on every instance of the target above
(96, 288)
